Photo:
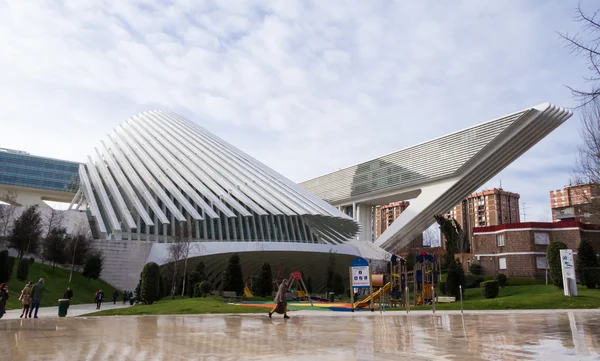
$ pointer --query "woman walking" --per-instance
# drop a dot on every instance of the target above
(99, 298)
(281, 300)
(25, 299)
(3, 298)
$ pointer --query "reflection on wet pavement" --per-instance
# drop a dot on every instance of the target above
(391, 336)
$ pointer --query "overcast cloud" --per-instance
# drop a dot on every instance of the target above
(307, 87)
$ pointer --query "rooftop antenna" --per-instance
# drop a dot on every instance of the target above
(524, 212)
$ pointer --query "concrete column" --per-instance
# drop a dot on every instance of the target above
(363, 216)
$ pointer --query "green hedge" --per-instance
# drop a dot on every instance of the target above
(476, 269)
(490, 289)
(591, 277)
(502, 280)
(472, 281)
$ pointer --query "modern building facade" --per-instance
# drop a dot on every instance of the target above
(159, 178)
(519, 249)
(573, 203)
(32, 179)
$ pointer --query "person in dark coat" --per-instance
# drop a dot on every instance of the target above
(3, 298)
(36, 297)
(99, 298)
(115, 296)
(68, 293)
(281, 300)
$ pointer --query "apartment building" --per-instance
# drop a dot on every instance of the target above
(572, 203)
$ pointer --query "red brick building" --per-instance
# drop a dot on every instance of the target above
(519, 249)
(570, 203)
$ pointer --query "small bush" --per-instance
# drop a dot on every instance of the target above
(31, 260)
(502, 280)
(554, 263)
(476, 269)
(490, 289)
(472, 281)
(23, 269)
(150, 283)
(455, 278)
(592, 277)
(197, 292)
(205, 288)
(93, 266)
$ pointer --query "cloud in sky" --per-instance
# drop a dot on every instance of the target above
(307, 87)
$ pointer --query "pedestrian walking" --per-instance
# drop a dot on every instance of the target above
(36, 297)
(115, 296)
(25, 299)
(3, 298)
(68, 293)
(99, 298)
(281, 300)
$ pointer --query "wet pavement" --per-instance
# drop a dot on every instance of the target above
(556, 335)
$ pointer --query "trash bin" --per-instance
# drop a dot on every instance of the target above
(63, 306)
(331, 297)
(131, 301)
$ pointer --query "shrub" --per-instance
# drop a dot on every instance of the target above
(150, 283)
(31, 260)
(11, 266)
(476, 269)
(265, 280)
(4, 267)
(586, 258)
(502, 279)
(338, 284)
(592, 277)
(233, 279)
(472, 281)
(197, 292)
(554, 264)
(455, 278)
(442, 287)
(23, 269)
(205, 287)
(490, 289)
(93, 266)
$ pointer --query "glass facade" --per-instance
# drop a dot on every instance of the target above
(30, 171)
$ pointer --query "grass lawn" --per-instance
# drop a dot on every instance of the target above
(56, 284)
(181, 306)
(524, 297)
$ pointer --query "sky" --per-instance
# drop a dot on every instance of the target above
(307, 87)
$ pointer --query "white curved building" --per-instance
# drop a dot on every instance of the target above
(158, 176)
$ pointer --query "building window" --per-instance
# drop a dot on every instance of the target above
(500, 240)
(541, 262)
(502, 263)
(541, 238)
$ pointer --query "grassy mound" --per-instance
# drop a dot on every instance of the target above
(57, 282)
(182, 306)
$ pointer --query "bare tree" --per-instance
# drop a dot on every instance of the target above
(175, 252)
(79, 245)
(188, 245)
(587, 43)
(7, 214)
(587, 169)
(54, 219)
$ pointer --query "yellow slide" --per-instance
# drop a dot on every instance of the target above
(375, 296)
(247, 292)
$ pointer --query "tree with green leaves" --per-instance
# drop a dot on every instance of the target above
(195, 277)
(54, 246)
(265, 280)
(454, 279)
(554, 262)
(338, 284)
(5, 265)
(23, 269)
(586, 258)
(330, 271)
(456, 239)
(93, 266)
(233, 279)
(150, 287)
(26, 232)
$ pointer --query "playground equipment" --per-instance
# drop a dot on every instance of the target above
(302, 292)
(247, 292)
(424, 277)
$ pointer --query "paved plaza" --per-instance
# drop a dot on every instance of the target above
(74, 310)
(555, 335)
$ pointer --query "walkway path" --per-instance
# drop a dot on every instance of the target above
(74, 310)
